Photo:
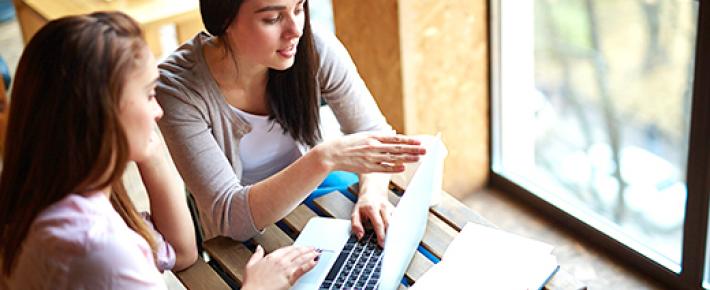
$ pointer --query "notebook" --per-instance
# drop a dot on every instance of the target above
(482, 257)
(348, 263)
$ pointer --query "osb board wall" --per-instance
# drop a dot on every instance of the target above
(439, 48)
(369, 29)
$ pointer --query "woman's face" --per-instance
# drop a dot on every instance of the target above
(139, 110)
(265, 33)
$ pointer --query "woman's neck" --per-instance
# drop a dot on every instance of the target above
(242, 83)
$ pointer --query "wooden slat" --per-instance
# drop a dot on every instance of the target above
(230, 254)
(335, 204)
(457, 214)
(449, 209)
(201, 276)
(273, 238)
(298, 219)
(419, 265)
(438, 236)
(338, 206)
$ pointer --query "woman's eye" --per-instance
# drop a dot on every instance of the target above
(273, 20)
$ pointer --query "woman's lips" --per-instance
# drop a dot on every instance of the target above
(287, 52)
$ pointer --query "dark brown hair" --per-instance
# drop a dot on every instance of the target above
(64, 135)
(291, 93)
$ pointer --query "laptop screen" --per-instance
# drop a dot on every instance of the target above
(408, 222)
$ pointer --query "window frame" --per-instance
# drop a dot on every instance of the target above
(695, 228)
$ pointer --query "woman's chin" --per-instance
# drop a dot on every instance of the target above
(283, 66)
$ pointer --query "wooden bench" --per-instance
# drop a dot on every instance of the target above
(445, 220)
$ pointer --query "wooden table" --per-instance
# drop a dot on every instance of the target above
(151, 14)
(445, 220)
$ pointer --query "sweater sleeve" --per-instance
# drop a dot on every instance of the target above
(165, 253)
(223, 202)
(343, 88)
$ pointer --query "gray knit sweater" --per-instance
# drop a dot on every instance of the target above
(203, 133)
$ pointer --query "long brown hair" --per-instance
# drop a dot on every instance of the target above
(291, 93)
(64, 135)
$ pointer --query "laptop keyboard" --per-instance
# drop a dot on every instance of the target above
(358, 266)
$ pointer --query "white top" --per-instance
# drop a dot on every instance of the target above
(81, 242)
(266, 149)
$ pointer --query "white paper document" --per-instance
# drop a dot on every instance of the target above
(485, 258)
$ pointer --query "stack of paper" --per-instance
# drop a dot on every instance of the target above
(485, 258)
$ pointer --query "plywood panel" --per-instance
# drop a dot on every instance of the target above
(370, 31)
(426, 62)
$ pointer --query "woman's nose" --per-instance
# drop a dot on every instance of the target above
(158, 111)
(294, 27)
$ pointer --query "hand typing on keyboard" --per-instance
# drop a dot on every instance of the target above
(358, 265)
(280, 269)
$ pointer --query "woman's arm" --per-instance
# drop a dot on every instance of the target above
(356, 111)
(168, 206)
(273, 198)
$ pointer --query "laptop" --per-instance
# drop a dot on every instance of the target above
(346, 263)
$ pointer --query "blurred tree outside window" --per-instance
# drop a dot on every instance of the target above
(594, 112)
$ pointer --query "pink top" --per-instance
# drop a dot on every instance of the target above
(81, 242)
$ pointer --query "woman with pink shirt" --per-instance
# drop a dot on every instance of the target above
(83, 106)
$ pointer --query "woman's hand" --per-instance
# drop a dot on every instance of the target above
(375, 208)
(279, 269)
(366, 153)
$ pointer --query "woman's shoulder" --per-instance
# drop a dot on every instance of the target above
(326, 44)
(184, 59)
(184, 76)
(74, 223)
(185, 67)
(83, 241)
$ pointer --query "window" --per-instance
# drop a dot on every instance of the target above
(322, 13)
(591, 115)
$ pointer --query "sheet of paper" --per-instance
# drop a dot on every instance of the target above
(485, 258)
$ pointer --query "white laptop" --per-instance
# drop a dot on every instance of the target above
(347, 263)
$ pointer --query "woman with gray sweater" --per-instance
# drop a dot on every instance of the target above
(242, 119)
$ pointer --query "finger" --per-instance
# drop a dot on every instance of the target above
(378, 226)
(302, 269)
(385, 213)
(292, 253)
(356, 225)
(395, 158)
(397, 139)
(389, 167)
(394, 149)
(401, 149)
(256, 257)
(305, 258)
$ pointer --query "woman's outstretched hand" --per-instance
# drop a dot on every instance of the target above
(279, 269)
(368, 153)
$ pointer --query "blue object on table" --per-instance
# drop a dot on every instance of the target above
(5, 72)
(335, 181)
(7, 11)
